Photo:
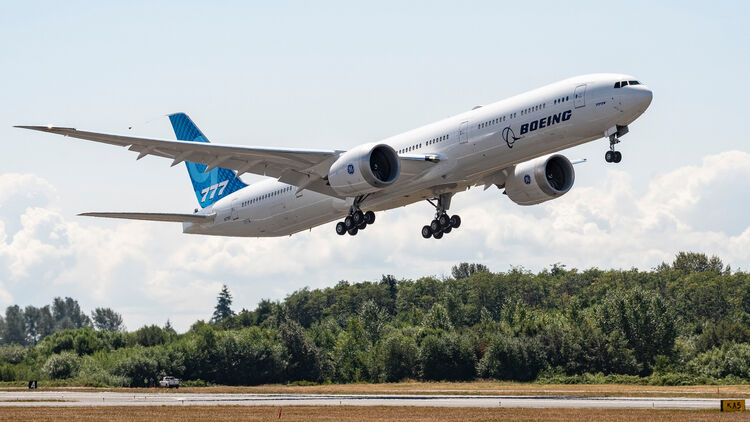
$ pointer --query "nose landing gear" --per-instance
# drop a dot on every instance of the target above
(613, 156)
(442, 224)
(614, 135)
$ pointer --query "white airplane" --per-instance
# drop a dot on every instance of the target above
(510, 144)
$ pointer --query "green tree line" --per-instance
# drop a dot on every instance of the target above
(683, 322)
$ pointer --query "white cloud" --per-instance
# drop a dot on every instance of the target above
(151, 272)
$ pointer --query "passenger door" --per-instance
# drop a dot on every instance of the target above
(235, 209)
(580, 96)
(463, 132)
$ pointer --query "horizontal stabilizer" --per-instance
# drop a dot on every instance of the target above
(154, 216)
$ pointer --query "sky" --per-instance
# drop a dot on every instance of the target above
(335, 75)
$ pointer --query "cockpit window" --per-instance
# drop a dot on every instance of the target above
(622, 84)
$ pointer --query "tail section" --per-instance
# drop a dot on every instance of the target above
(217, 183)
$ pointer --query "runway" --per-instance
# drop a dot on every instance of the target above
(75, 398)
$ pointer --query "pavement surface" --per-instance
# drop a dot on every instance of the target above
(74, 398)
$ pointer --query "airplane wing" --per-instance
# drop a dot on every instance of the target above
(306, 169)
(153, 216)
(296, 167)
(414, 164)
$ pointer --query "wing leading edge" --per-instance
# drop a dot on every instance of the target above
(294, 166)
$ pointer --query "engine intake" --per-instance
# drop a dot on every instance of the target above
(364, 169)
(540, 180)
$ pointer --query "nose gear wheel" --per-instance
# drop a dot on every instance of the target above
(613, 156)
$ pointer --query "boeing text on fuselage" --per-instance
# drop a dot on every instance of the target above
(512, 144)
(546, 121)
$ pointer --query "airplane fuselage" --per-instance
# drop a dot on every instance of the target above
(473, 147)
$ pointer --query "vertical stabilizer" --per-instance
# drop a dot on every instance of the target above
(217, 183)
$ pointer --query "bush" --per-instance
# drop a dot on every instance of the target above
(731, 359)
(305, 363)
(151, 335)
(645, 320)
(58, 342)
(513, 358)
(447, 358)
(96, 370)
(7, 372)
(87, 342)
(399, 356)
(136, 368)
(61, 366)
(12, 353)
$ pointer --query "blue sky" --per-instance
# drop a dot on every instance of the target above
(334, 75)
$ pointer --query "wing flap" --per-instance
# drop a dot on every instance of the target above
(154, 216)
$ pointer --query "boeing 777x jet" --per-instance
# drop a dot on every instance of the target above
(511, 144)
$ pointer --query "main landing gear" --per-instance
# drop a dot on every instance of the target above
(442, 224)
(355, 221)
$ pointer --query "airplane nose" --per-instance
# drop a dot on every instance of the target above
(643, 97)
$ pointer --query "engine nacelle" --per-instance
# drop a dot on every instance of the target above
(540, 180)
(364, 169)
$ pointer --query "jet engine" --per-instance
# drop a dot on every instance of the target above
(364, 169)
(540, 180)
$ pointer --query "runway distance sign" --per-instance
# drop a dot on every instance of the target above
(732, 405)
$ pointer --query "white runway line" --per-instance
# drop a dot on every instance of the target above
(73, 398)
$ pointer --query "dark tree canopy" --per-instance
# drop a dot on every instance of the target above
(691, 262)
(223, 308)
(106, 319)
(682, 323)
(15, 328)
(68, 315)
(466, 270)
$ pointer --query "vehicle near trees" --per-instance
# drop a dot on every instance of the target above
(169, 382)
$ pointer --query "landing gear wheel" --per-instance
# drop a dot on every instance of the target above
(609, 156)
(358, 217)
(340, 228)
(348, 222)
(370, 217)
(353, 231)
(362, 226)
(443, 223)
(618, 157)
